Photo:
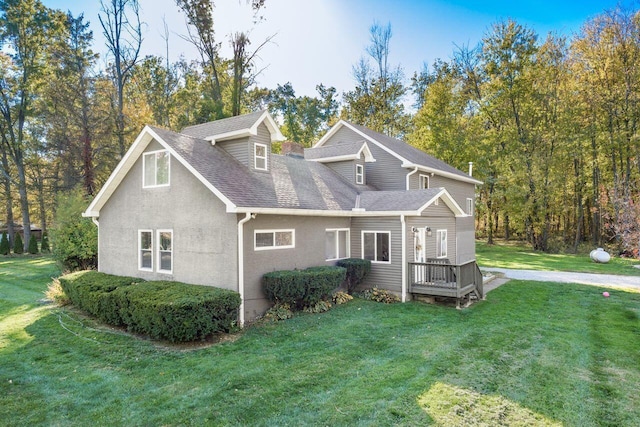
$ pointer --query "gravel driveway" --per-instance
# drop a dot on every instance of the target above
(606, 280)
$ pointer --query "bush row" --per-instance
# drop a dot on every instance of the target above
(357, 271)
(302, 288)
(174, 311)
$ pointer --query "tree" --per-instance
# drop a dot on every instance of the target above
(44, 244)
(18, 245)
(120, 21)
(5, 247)
(33, 245)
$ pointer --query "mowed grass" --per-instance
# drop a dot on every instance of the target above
(518, 256)
(531, 354)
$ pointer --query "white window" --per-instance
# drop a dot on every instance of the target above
(260, 156)
(165, 251)
(441, 244)
(155, 169)
(274, 239)
(469, 206)
(376, 246)
(424, 182)
(145, 250)
(359, 174)
(336, 244)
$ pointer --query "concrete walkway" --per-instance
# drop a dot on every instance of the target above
(604, 280)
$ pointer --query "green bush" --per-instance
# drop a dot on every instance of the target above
(279, 312)
(44, 244)
(302, 288)
(180, 312)
(95, 293)
(75, 239)
(5, 247)
(33, 245)
(357, 270)
(18, 244)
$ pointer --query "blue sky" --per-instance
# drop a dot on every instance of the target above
(318, 41)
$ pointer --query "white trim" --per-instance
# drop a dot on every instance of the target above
(439, 243)
(337, 248)
(375, 244)
(407, 164)
(241, 223)
(368, 156)
(359, 175)
(470, 206)
(159, 258)
(409, 178)
(140, 267)
(275, 246)
(403, 286)
(256, 157)
(147, 154)
(421, 178)
(270, 123)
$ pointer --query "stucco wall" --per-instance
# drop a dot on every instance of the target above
(204, 236)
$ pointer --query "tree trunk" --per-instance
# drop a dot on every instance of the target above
(24, 200)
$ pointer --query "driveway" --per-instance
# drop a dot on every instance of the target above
(605, 280)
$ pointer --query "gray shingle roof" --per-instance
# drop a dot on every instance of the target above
(397, 200)
(409, 152)
(336, 150)
(223, 126)
(291, 182)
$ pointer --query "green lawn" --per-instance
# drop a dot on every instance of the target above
(531, 354)
(519, 256)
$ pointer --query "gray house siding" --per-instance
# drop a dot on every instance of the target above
(238, 148)
(459, 190)
(344, 134)
(309, 251)
(263, 137)
(466, 239)
(346, 169)
(437, 218)
(387, 276)
(204, 236)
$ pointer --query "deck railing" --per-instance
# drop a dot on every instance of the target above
(440, 278)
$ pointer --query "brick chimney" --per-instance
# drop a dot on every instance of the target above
(293, 149)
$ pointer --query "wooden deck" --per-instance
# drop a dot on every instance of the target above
(438, 277)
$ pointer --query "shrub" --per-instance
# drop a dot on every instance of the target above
(33, 245)
(319, 307)
(56, 294)
(5, 247)
(179, 312)
(302, 288)
(279, 312)
(341, 298)
(380, 295)
(18, 244)
(44, 244)
(357, 270)
(75, 239)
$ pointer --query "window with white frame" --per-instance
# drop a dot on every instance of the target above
(145, 250)
(441, 244)
(156, 167)
(469, 206)
(260, 156)
(165, 251)
(376, 246)
(359, 174)
(336, 244)
(424, 182)
(274, 239)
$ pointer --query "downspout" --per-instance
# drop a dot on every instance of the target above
(404, 258)
(409, 175)
(247, 217)
(95, 221)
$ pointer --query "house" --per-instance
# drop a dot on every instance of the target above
(213, 205)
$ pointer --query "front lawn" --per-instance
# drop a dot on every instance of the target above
(531, 354)
(520, 257)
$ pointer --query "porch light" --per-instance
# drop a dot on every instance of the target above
(429, 231)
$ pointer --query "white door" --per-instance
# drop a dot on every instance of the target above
(419, 254)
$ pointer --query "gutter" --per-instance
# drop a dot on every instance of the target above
(248, 216)
(404, 258)
(409, 175)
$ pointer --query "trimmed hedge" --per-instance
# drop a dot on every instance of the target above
(302, 288)
(357, 270)
(174, 311)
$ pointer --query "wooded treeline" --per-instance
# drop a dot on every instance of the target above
(550, 123)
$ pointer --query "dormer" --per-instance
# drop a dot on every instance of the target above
(346, 158)
(248, 138)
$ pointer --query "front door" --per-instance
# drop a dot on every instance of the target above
(419, 254)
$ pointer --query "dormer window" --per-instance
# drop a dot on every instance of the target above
(359, 174)
(424, 182)
(155, 169)
(260, 156)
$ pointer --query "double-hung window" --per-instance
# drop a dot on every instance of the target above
(260, 156)
(376, 246)
(424, 182)
(359, 174)
(165, 251)
(441, 244)
(336, 244)
(156, 166)
(469, 206)
(145, 251)
(274, 239)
